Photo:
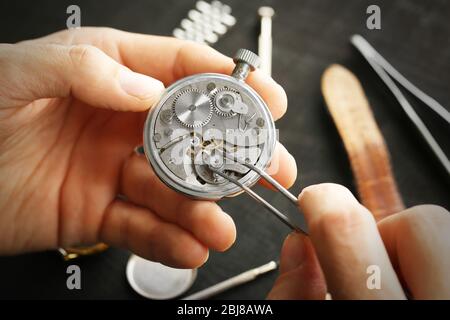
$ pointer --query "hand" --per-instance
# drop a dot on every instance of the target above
(72, 108)
(410, 248)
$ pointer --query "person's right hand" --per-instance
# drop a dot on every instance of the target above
(411, 250)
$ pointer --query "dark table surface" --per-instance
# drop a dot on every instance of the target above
(308, 36)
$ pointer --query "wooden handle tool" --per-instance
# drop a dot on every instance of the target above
(363, 141)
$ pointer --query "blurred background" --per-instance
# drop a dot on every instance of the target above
(308, 35)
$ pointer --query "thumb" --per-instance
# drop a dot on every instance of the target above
(300, 274)
(35, 71)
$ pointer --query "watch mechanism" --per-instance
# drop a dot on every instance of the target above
(207, 123)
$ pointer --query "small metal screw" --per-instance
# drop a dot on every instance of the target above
(157, 137)
(195, 141)
(260, 122)
(215, 162)
(211, 86)
(166, 116)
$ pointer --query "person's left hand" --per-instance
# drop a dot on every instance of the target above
(72, 108)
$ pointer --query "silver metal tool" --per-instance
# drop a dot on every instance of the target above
(235, 281)
(387, 72)
(258, 198)
(265, 39)
(212, 136)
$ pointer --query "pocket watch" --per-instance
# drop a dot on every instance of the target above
(212, 136)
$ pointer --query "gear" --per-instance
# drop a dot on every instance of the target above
(192, 108)
(224, 99)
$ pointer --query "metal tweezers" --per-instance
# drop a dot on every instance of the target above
(283, 218)
(387, 72)
(293, 199)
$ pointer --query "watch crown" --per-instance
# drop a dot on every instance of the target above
(248, 57)
(245, 61)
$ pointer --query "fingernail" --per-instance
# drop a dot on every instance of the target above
(290, 156)
(207, 257)
(292, 159)
(293, 254)
(139, 85)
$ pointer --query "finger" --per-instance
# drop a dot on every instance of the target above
(170, 59)
(348, 245)
(143, 232)
(300, 276)
(204, 219)
(282, 168)
(416, 240)
(35, 71)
